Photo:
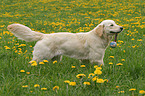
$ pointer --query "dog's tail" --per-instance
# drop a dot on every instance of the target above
(24, 32)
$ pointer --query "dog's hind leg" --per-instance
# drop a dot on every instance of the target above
(41, 52)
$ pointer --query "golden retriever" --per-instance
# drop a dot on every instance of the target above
(89, 46)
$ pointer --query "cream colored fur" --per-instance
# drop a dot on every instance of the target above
(89, 46)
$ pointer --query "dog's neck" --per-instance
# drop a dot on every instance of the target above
(106, 39)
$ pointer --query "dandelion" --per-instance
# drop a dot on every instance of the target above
(133, 46)
(117, 86)
(36, 85)
(67, 81)
(54, 62)
(27, 72)
(141, 91)
(87, 83)
(98, 68)
(43, 88)
(100, 80)
(95, 78)
(81, 75)
(95, 66)
(132, 89)
(25, 86)
(6, 47)
(22, 71)
(139, 39)
(91, 75)
(111, 56)
(45, 61)
(41, 62)
(55, 88)
(73, 66)
(122, 59)
(119, 64)
(82, 66)
(72, 83)
(110, 63)
(34, 63)
(98, 72)
(132, 39)
(121, 92)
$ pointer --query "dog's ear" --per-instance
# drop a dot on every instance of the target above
(99, 30)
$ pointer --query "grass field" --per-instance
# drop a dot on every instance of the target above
(19, 78)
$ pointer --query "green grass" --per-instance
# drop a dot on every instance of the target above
(49, 16)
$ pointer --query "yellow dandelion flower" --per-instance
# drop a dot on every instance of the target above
(36, 85)
(6, 47)
(119, 64)
(25, 86)
(111, 56)
(141, 91)
(72, 83)
(73, 66)
(81, 75)
(98, 72)
(66, 81)
(98, 68)
(121, 92)
(117, 86)
(100, 80)
(34, 63)
(45, 61)
(91, 75)
(139, 39)
(87, 83)
(55, 88)
(41, 62)
(95, 78)
(83, 66)
(27, 72)
(122, 59)
(43, 88)
(22, 71)
(133, 46)
(110, 63)
(132, 39)
(95, 66)
(132, 89)
(54, 62)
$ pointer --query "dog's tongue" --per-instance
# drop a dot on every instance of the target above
(115, 39)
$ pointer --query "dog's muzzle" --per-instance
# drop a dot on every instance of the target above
(121, 29)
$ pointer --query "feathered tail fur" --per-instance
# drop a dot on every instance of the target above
(24, 32)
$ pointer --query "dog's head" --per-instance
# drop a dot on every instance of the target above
(108, 27)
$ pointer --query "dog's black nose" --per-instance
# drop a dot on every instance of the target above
(121, 28)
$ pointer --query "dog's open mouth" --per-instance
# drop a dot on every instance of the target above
(115, 39)
(116, 34)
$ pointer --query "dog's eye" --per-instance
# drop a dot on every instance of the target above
(111, 25)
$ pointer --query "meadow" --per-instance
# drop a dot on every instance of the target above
(124, 70)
